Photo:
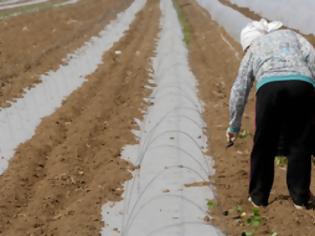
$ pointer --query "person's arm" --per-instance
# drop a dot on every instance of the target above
(239, 93)
(308, 52)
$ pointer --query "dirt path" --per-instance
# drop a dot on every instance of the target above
(33, 44)
(214, 60)
(59, 180)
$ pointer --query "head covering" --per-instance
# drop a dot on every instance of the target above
(257, 29)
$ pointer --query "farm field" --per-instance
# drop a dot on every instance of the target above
(113, 117)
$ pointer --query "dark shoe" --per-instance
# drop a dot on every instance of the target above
(255, 204)
(309, 204)
(300, 207)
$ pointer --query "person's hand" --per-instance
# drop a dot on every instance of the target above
(230, 138)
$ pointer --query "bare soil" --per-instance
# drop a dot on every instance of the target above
(215, 65)
(58, 181)
(34, 43)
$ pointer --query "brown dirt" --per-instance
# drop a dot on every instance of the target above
(58, 181)
(215, 66)
(35, 43)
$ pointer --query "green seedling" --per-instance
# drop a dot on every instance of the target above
(239, 209)
(281, 161)
(211, 204)
(255, 218)
(274, 234)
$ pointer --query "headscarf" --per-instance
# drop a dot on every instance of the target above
(257, 29)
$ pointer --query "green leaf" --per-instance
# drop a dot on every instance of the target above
(238, 209)
(255, 211)
(255, 222)
(255, 219)
(211, 204)
(274, 234)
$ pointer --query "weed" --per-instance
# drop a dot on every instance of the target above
(255, 218)
(239, 209)
(211, 204)
(251, 221)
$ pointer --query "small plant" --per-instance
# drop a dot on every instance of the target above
(274, 234)
(251, 221)
(239, 209)
(211, 204)
(255, 218)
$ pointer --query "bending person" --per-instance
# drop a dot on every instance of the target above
(282, 64)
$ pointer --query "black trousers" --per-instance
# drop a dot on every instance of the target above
(283, 109)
